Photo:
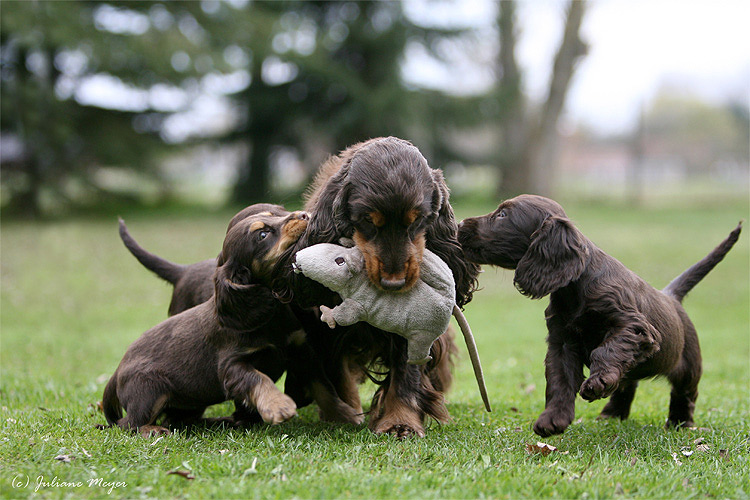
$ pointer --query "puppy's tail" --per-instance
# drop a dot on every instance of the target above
(164, 269)
(682, 284)
(110, 402)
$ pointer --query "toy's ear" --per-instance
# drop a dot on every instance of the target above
(355, 261)
(556, 256)
(240, 305)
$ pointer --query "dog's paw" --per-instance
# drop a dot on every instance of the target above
(326, 316)
(599, 386)
(552, 422)
(277, 409)
(401, 431)
(343, 414)
(148, 431)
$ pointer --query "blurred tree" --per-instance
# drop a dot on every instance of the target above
(59, 140)
(528, 137)
(294, 73)
(701, 135)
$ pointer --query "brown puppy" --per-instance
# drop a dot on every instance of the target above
(233, 346)
(601, 314)
(383, 194)
(193, 283)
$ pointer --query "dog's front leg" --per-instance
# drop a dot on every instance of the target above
(564, 374)
(242, 382)
(615, 357)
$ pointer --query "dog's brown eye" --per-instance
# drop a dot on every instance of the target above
(339, 261)
(262, 235)
(502, 214)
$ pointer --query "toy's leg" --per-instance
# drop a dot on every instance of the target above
(419, 347)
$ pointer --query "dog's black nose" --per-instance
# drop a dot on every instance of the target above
(392, 285)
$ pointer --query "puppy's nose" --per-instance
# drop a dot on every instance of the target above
(392, 284)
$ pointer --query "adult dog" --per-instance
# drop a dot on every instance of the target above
(382, 194)
(601, 314)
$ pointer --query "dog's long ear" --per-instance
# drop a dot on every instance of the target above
(556, 256)
(240, 305)
(330, 218)
(442, 239)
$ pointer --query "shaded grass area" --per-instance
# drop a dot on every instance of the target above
(73, 299)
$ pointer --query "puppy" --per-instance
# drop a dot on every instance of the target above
(233, 346)
(193, 283)
(383, 194)
(600, 314)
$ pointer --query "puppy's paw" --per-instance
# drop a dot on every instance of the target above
(552, 422)
(342, 413)
(599, 386)
(401, 431)
(277, 408)
(148, 431)
(326, 316)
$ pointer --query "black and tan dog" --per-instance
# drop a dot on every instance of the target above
(383, 194)
(233, 346)
(601, 314)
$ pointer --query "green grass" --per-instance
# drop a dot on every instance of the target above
(73, 299)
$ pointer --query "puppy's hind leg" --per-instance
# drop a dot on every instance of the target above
(144, 401)
(619, 403)
(684, 379)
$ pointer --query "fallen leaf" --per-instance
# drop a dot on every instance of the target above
(86, 452)
(543, 449)
(618, 489)
(687, 453)
(514, 409)
(157, 440)
(633, 460)
(676, 460)
(221, 452)
(723, 454)
(702, 447)
(66, 459)
(182, 473)
(700, 440)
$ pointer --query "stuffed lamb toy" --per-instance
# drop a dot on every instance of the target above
(420, 314)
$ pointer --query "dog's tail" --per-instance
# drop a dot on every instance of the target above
(164, 269)
(111, 403)
(682, 284)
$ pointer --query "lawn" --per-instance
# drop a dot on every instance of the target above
(73, 299)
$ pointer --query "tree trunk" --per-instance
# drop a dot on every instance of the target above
(514, 179)
(253, 182)
(531, 148)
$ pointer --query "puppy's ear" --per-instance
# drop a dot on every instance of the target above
(442, 239)
(241, 305)
(556, 256)
(330, 212)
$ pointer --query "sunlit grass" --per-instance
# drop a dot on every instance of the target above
(73, 299)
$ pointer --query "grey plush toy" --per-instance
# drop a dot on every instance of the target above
(420, 314)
